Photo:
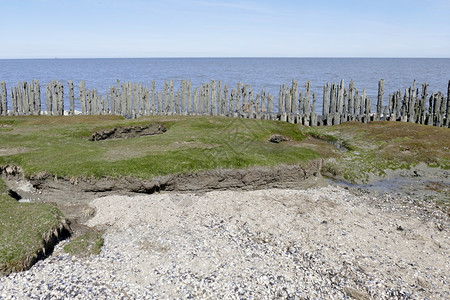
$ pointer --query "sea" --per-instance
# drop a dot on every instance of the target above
(260, 73)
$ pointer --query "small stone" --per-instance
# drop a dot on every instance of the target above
(277, 138)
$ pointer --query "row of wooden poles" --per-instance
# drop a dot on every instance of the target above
(339, 104)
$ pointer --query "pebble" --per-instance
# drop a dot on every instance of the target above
(268, 244)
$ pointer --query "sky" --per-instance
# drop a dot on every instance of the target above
(203, 28)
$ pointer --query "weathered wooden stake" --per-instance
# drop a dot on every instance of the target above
(307, 104)
(71, 98)
(380, 98)
(3, 98)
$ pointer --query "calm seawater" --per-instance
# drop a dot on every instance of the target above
(259, 73)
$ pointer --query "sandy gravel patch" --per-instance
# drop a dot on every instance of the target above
(319, 242)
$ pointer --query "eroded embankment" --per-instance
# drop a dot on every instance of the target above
(282, 176)
(72, 195)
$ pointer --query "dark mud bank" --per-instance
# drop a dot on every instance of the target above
(49, 188)
(220, 179)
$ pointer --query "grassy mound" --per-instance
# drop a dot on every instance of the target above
(27, 231)
(60, 145)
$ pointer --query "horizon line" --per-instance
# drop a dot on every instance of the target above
(225, 57)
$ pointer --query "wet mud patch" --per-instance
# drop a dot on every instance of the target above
(128, 132)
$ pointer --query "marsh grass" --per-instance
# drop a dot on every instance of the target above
(25, 228)
(378, 146)
(60, 145)
(87, 244)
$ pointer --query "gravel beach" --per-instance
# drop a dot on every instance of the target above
(321, 243)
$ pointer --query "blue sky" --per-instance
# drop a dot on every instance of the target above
(202, 28)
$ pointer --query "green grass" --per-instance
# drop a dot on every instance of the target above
(24, 228)
(86, 244)
(60, 146)
(379, 146)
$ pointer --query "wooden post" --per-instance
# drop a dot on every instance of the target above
(357, 106)
(270, 105)
(385, 113)
(294, 97)
(325, 105)
(281, 100)
(288, 104)
(232, 102)
(134, 100)
(37, 96)
(238, 97)
(112, 97)
(263, 101)
(25, 89)
(3, 98)
(379, 99)
(344, 115)
(183, 97)
(351, 101)
(94, 102)
(160, 97)
(447, 119)
(195, 103)
(243, 105)
(251, 102)
(129, 106)
(111, 101)
(55, 97)
(153, 106)
(220, 99)
(307, 104)
(411, 103)
(147, 100)
(332, 104)
(19, 97)
(363, 107)
(48, 98)
(61, 98)
(437, 110)
(422, 106)
(201, 99)
(121, 108)
(368, 109)
(176, 110)
(429, 120)
(13, 101)
(404, 108)
(31, 99)
(340, 100)
(313, 112)
(225, 102)
(213, 98)
(83, 97)
(391, 106)
(100, 104)
(398, 104)
(207, 98)
(71, 98)
(333, 98)
(142, 103)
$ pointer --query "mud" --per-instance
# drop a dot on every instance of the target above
(128, 132)
(419, 182)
